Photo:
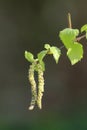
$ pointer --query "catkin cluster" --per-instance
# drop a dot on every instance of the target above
(37, 93)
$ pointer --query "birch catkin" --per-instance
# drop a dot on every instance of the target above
(33, 86)
(40, 86)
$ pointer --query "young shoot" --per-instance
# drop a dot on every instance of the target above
(74, 49)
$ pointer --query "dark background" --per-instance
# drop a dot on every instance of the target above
(27, 25)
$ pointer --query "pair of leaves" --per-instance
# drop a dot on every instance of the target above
(40, 56)
(30, 57)
(74, 49)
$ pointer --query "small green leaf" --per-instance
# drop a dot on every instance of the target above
(47, 46)
(75, 53)
(29, 56)
(84, 28)
(68, 36)
(56, 53)
(41, 55)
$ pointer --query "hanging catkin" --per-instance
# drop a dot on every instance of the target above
(40, 86)
(33, 86)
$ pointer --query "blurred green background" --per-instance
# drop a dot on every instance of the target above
(27, 25)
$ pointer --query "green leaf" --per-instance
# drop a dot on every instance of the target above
(75, 53)
(41, 55)
(56, 53)
(84, 28)
(68, 36)
(29, 56)
(74, 49)
(47, 46)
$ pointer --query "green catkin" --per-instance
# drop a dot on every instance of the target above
(40, 86)
(33, 86)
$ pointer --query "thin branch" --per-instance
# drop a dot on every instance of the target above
(79, 38)
(69, 21)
